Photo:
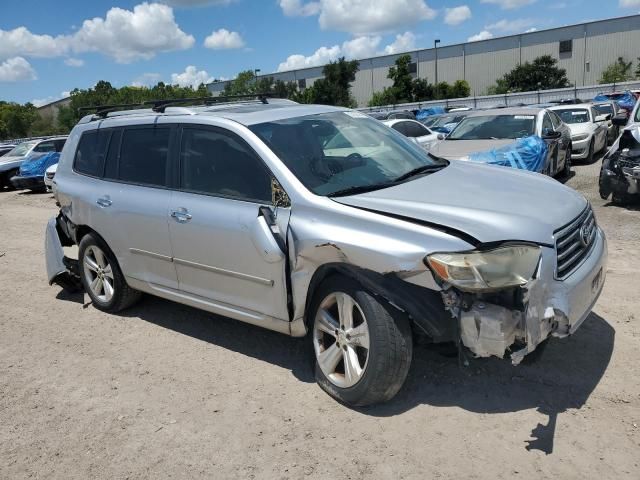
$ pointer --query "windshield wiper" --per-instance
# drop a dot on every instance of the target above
(419, 171)
(360, 189)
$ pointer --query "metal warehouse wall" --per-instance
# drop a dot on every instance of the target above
(594, 46)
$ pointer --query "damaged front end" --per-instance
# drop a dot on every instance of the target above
(515, 319)
(620, 174)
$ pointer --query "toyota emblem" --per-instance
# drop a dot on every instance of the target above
(585, 234)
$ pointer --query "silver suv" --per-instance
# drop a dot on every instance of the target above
(318, 220)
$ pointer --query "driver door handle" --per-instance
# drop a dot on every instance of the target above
(104, 202)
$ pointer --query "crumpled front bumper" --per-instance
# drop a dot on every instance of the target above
(33, 182)
(552, 307)
(626, 181)
(60, 269)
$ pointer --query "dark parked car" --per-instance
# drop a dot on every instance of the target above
(392, 115)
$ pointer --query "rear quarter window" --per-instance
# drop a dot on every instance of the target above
(144, 156)
(89, 157)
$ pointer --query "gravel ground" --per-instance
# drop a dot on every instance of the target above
(166, 391)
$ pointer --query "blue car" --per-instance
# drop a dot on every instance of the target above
(31, 173)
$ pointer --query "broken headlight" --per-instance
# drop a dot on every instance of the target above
(474, 271)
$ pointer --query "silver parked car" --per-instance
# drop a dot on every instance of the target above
(589, 129)
(320, 221)
(484, 130)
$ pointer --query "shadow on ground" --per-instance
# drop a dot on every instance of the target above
(561, 378)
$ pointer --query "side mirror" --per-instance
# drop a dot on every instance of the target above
(620, 120)
(549, 134)
(441, 136)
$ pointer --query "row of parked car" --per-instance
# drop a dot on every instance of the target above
(30, 163)
(571, 132)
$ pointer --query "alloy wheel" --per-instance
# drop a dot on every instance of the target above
(98, 274)
(341, 339)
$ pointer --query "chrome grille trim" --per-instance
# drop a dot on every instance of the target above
(570, 249)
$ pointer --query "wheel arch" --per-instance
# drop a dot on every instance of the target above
(423, 307)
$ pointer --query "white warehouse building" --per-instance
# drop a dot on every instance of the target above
(583, 50)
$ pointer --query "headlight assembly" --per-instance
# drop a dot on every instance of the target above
(477, 271)
(580, 137)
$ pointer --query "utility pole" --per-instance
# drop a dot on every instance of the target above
(435, 46)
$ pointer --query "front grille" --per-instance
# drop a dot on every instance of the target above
(574, 242)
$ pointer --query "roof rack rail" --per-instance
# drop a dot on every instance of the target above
(103, 110)
(159, 106)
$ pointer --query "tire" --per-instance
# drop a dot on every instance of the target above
(350, 372)
(566, 171)
(101, 276)
(592, 146)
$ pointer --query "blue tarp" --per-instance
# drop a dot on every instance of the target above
(37, 163)
(627, 100)
(527, 153)
(427, 112)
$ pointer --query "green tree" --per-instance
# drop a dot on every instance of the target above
(422, 90)
(541, 74)
(402, 79)
(460, 89)
(16, 119)
(619, 71)
(243, 84)
(335, 87)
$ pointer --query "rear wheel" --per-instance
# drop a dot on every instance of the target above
(592, 147)
(101, 276)
(362, 346)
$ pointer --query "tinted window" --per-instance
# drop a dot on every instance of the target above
(48, 146)
(59, 144)
(400, 127)
(416, 130)
(489, 127)
(219, 163)
(111, 167)
(92, 147)
(144, 156)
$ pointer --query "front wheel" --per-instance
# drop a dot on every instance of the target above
(362, 345)
(101, 276)
(590, 155)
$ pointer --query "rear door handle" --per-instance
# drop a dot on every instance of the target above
(104, 202)
(181, 215)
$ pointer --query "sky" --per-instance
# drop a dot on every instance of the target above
(50, 47)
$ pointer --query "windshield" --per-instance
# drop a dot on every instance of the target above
(494, 127)
(604, 109)
(21, 149)
(337, 151)
(574, 116)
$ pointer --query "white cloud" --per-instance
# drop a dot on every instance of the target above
(509, 4)
(16, 69)
(403, 42)
(358, 48)
(196, 3)
(483, 35)
(510, 26)
(132, 35)
(295, 8)
(191, 77)
(457, 15)
(361, 47)
(320, 57)
(372, 16)
(21, 41)
(223, 39)
(629, 3)
(531, 30)
(74, 62)
(146, 80)
(125, 35)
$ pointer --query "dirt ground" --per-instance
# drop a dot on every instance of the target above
(167, 391)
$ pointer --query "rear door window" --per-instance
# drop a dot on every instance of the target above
(415, 129)
(89, 158)
(401, 127)
(44, 147)
(144, 156)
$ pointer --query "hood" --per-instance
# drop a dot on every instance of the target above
(458, 149)
(489, 203)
